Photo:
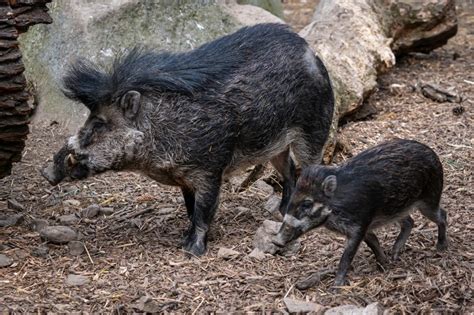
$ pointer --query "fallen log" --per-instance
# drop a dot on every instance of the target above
(359, 39)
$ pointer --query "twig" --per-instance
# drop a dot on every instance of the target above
(88, 254)
(195, 310)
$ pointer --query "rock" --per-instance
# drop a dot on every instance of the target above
(297, 306)
(265, 234)
(72, 202)
(227, 253)
(400, 89)
(39, 224)
(257, 254)
(91, 211)
(76, 280)
(373, 309)
(273, 6)
(148, 305)
(5, 261)
(15, 205)
(40, 251)
(58, 234)
(272, 206)
(68, 219)
(10, 220)
(378, 29)
(345, 310)
(99, 32)
(263, 187)
(106, 210)
(76, 248)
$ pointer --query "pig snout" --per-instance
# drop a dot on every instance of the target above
(52, 174)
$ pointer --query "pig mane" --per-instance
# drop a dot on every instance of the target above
(207, 67)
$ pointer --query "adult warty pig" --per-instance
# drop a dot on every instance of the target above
(378, 186)
(188, 119)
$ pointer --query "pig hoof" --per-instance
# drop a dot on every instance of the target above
(341, 283)
(442, 246)
(194, 248)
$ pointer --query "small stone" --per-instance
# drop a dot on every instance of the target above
(91, 211)
(5, 261)
(76, 248)
(345, 310)
(373, 309)
(272, 205)
(297, 306)
(257, 254)
(72, 202)
(10, 220)
(15, 205)
(68, 219)
(227, 253)
(148, 305)
(58, 234)
(263, 187)
(76, 280)
(40, 251)
(39, 224)
(106, 210)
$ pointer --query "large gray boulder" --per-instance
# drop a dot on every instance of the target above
(100, 29)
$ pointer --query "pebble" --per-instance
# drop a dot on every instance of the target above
(58, 234)
(76, 280)
(40, 251)
(371, 309)
(91, 211)
(263, 187)
(76, 248)
(106, 210)
(72, 202)
(227, 253)
(10, 220)
(68, 219)
(5, 261)
(298, 306)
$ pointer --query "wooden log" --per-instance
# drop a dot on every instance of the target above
(359, 39)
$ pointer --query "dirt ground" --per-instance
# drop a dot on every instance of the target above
(135, 251)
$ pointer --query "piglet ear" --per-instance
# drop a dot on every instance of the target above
(329, 185)
(130, 103)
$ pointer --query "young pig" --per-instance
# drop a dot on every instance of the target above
(379, 186)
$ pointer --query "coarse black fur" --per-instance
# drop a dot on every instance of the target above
(208, 67)
(378, 186)
(190, 119)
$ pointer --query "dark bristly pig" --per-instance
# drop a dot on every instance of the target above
(189, 119)
(379, 186)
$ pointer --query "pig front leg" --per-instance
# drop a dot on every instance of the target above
(354, 238)
(206, 199)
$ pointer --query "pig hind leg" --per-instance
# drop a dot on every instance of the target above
(206, 199)
(438, 215)
(373, 242)
(307, 149)
(406, 225)
(286, 167)
(189, 200)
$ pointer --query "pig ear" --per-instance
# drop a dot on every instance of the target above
(329, 185)
(130, 103)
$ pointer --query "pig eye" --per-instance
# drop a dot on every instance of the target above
(306, 205)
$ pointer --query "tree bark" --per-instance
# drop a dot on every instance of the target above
(15, 108)
(359, 39)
